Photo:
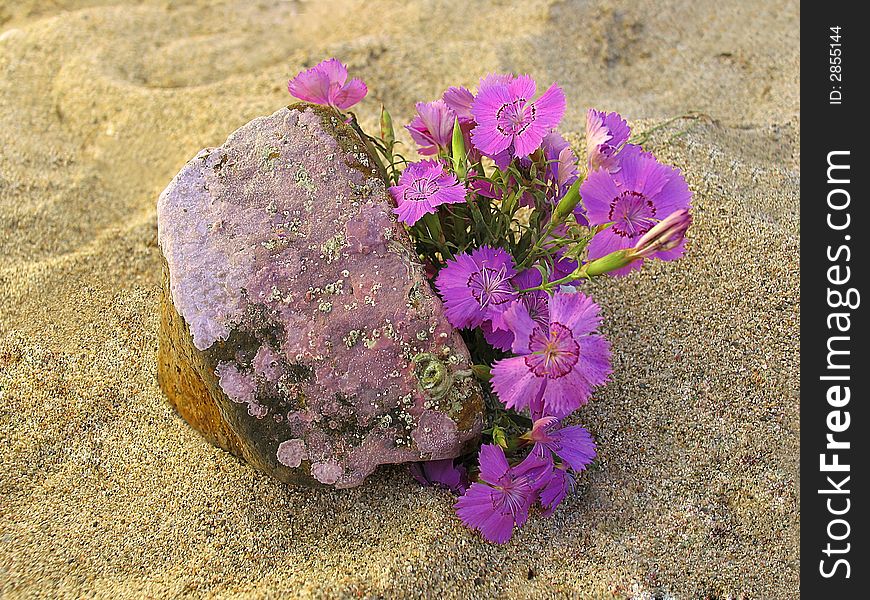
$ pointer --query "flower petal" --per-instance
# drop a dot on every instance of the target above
(550, 107)
(575, 446)
(576, 311)
(598, 192)
(350, 94)
(477, 510)
(521, 324)
(514, 383)
(493, 463)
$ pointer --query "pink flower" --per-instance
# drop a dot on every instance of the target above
(562, 168)
(326, 84)
(422, 188)
(432, 128)
(459, 100)
(559, 363)
(509, 120)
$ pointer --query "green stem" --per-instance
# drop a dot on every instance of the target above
(366, 140)
(539, 243)
(579, 273)
(479, 221)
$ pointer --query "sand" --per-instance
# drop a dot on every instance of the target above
(107, 493)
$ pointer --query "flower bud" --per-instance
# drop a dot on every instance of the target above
(499, 437)
(666, 235)
(387, 134)
(568, 202)
(482, 372)
(605, 264)
(458, 152)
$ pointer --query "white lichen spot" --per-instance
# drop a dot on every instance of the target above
(332, 247)
(303, 179)
(352, 338)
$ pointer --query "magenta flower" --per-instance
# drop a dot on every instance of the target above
(422, 188)
(496, 330)
(504, 496)
(574, 444)
(509, 120)
(606, 134)
(440, 472)
(558, 484)
(432, 128)
(476, 286)
(558, 364)
(634, 199)
(326, 84)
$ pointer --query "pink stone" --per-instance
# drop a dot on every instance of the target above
(292, 293)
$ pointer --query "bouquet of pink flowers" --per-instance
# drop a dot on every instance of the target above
(509, 224)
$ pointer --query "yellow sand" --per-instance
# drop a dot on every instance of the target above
(105, 491)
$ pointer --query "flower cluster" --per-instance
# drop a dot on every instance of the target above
(511, 223)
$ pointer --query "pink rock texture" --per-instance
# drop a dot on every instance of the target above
(298, 329)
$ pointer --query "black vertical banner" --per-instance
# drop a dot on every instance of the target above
(835, 358)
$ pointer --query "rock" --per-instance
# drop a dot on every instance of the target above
(298, 331)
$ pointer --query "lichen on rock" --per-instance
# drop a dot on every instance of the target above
(298, 329)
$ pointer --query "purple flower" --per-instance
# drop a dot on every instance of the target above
(476, 286)
(564, 266)
(504, 496)
(326, 84)
(574, 444)
(606, 133)
(440, 472)
(558, 485)
(482, 186)
(562, 168)
(559, 363)
(422, 188)
(496, 330)
(634, 199)
(432, 128)
(509, 120)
